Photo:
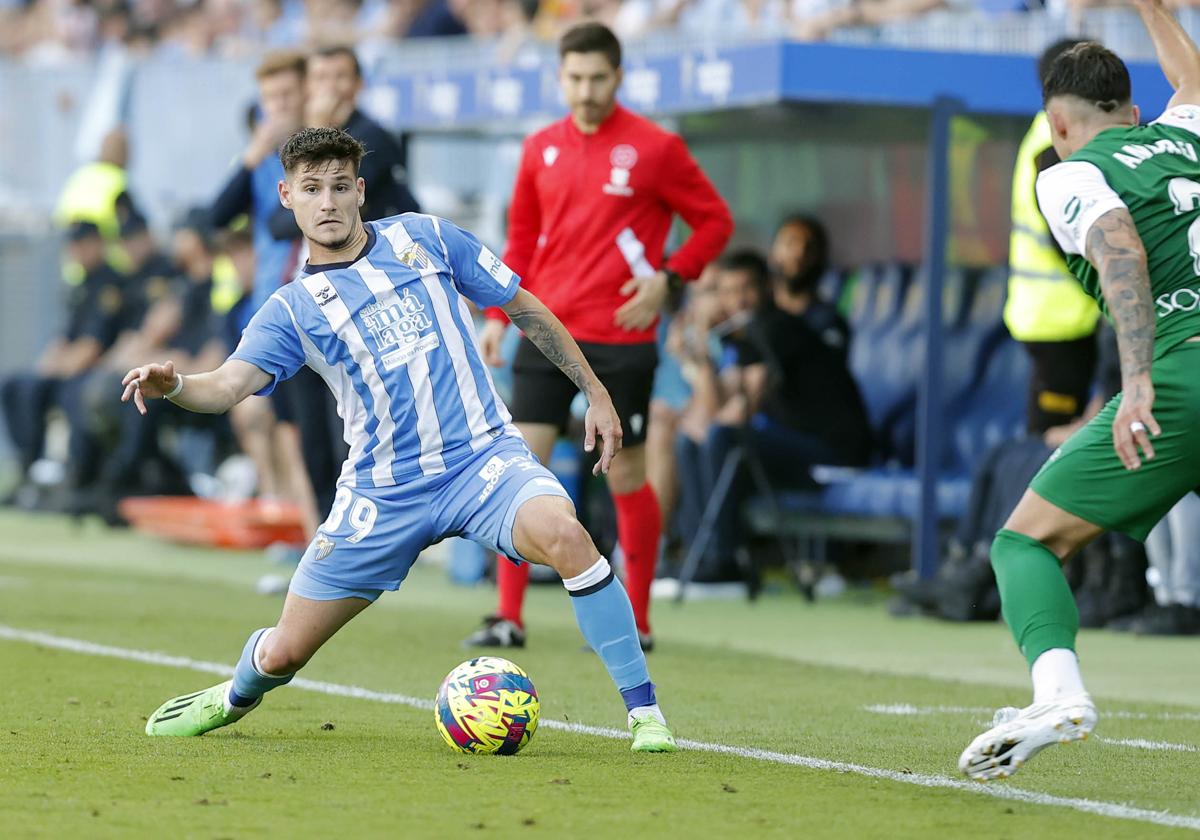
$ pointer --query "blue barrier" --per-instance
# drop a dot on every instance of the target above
(705, 79)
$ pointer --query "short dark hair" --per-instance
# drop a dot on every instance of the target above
(335, 50)
(1091, 72)
(320, 145)
(591, 37)
(753, 263)
(1046, 60)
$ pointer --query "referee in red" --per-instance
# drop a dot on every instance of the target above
(591, 209)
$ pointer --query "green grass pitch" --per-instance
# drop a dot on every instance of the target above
(852, 709)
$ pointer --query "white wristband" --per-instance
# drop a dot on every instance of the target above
(174, 392)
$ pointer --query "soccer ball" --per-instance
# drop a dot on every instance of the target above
(487, 705)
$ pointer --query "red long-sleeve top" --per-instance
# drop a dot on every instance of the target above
(590, 211)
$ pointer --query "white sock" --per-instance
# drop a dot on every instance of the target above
(647, 711)
(1055, 675)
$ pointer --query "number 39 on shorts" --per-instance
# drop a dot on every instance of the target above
(361, 520)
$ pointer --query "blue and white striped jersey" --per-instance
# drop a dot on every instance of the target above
(392, 337)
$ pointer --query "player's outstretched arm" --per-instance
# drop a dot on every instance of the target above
(1117, 252)
(1177, 52)
(549, 335)
(214, 392)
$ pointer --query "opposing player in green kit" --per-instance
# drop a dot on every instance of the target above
(1124, 204)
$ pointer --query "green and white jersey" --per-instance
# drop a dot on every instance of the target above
(1154, 172)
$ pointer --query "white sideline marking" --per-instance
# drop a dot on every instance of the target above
(1120, 714)
(1091, 806)
(1143, 744)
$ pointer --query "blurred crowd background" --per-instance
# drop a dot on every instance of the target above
(47, 32)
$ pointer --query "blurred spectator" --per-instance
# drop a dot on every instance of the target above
(816, 20)
(149, 279)
(94, 308)
(720, 308)
(1174, 551)
(435, 18)
(145, 325)
(253, 186)
(783, 391)
(668, 401)
(178, 325)
(804, 343)
(333, 84)
(54, 31)
(273, 447)
(98, 192)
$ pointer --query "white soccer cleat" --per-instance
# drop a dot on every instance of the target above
(1017, 735)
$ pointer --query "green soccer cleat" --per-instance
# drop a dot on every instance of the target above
(650, 734)
(195, 714)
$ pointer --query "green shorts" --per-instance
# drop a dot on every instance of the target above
(1085, 477)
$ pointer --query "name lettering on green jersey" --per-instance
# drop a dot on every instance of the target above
(1134, 155)
(1180, 300)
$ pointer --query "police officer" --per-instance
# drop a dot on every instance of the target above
(94, 308)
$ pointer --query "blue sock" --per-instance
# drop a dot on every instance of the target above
(249, 683)
(605, 618)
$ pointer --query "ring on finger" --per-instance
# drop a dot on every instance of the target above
(1137, 426)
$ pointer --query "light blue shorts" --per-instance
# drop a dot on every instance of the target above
(373, 535)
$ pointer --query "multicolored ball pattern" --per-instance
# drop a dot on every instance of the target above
(487, 705)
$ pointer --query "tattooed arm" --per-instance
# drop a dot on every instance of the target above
(1116, 250)
(549, 335)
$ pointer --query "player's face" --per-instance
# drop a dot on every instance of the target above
(589, 84)
(281, 96)
(325, 198)
(333, 76)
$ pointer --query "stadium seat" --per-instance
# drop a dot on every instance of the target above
(884, 323)
(984, 380)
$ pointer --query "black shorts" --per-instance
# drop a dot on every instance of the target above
(543, 394)
(1060, 382)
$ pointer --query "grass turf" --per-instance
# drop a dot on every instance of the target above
(778, 675)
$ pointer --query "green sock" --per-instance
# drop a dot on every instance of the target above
(1036, 601)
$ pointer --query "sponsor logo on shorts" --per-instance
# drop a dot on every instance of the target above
(322, 547)
(1180, 300)
(496, 467)
(636, 422)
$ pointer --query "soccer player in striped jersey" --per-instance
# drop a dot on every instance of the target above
(379, 314)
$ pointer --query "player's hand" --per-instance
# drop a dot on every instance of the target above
(601, 420)
(149, 382)
(1134, 424)
(490, 340)
(649, 295)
